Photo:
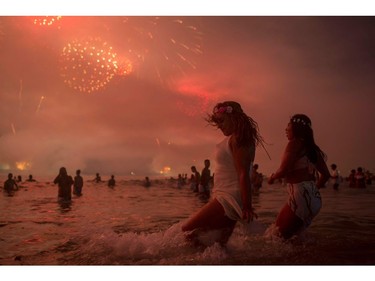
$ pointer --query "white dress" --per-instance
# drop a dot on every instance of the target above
(226, 188)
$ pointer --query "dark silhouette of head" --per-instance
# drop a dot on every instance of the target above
(302, 130)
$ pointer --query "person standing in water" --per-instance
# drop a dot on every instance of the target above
(10, 185)
(195, 179)
(360, 181)
(335, 176)
(351, 178)
(31, 179)
(147, 182)
(301, 158)
(256, 179)
(98, 178)
(231, 199)
(205, 179)
(112, 182)
(78, 184)
(65, 183)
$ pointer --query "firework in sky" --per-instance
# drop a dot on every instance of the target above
(162, 46)
(159, 49)
(89, 65)
(46, 20)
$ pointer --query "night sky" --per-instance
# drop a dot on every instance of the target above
(128, 95)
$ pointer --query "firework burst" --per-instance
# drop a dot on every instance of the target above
(89, 65)
(46, 21)
(162, 46)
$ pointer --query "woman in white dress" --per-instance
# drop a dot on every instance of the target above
(231, 194)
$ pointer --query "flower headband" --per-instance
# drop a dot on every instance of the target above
(224, 109)
(301, 121)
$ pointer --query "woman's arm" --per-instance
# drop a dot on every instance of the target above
(57, 179)
(324, 173)
(289, 157)
(243, 158)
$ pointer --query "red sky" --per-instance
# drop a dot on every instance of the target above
(181, 67)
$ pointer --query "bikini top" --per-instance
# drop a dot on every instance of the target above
(304, 163)
(301, 163)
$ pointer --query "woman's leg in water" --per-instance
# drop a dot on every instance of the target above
(210, 217)
(289, 224)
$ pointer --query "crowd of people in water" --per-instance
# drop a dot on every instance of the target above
(229, 190)
(203, 182)
(358, 178)
(198, 182)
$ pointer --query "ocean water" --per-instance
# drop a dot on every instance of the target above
(134, 225)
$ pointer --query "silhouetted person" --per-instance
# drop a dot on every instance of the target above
(180, 181)
(98, 178)
(147, 182)
(335, 177)
(19, 179)
(78, 183)
(65, 183)
(195, 179)
(351, 178)
(360, 179)
(205, 178)
(112, 182)
(31, 178)
(10, 185)
(256, 179)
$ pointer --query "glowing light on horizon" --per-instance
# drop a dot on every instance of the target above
(46, 20)
(89, 65)
(165, 170)
(23, 165)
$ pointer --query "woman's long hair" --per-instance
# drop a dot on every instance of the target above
(301, 126)
(246, 129)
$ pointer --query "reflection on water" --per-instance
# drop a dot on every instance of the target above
(131, 224)
(65, 205)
